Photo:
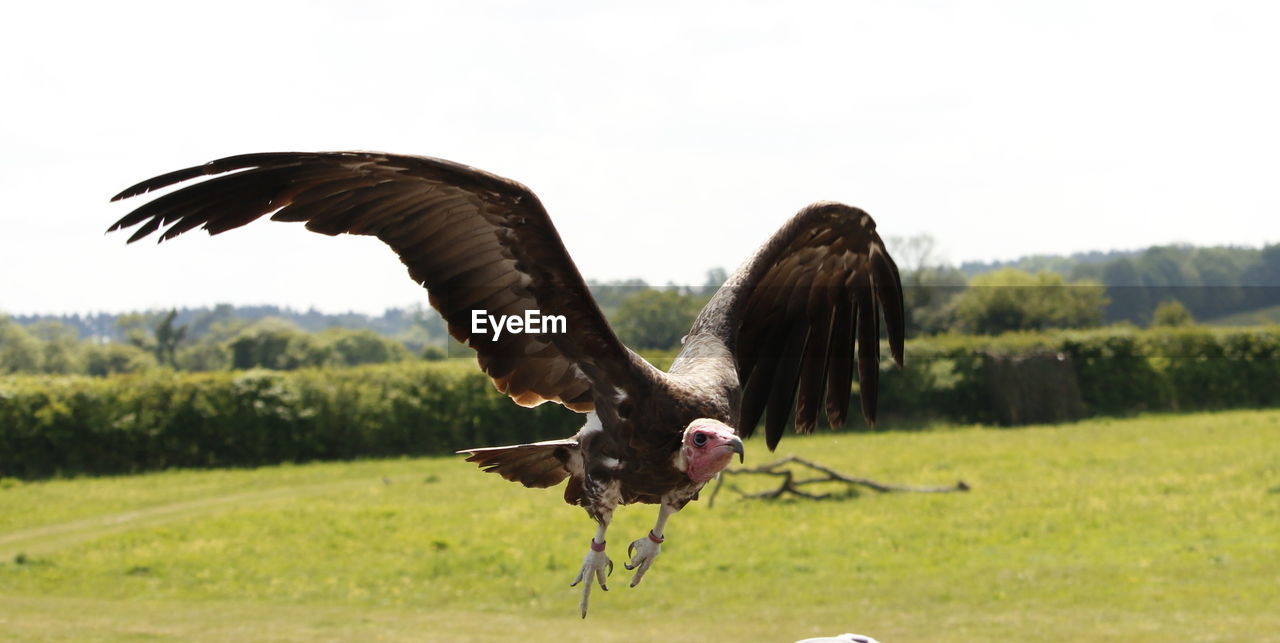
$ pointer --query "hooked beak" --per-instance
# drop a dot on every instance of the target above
(735, 443)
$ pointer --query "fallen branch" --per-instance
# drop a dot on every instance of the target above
(792, 486)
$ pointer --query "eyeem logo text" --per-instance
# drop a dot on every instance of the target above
(531, 322)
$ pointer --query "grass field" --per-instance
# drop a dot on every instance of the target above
(1157, 528)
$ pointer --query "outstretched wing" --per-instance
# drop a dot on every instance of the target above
(476, 241)
(791, 313)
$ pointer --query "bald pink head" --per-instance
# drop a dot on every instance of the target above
(708, 447)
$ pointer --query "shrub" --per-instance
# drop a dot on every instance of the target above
(1171, 312)
(127, 423)
(1118, 370)
(66, 425)
(1012, 300)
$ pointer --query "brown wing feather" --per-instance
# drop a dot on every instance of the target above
(473, 239)
(803, 314)
(541, 464)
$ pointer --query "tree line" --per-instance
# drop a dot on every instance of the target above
(1211, 282)
(1163, 285)
(153, 341)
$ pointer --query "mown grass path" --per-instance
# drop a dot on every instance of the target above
(47, 539)
(1153, 528)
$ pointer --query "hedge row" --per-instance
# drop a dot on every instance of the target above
(66, 425)
(1064, 375)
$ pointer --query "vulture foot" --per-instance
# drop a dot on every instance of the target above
(643, 552)
(596, 564)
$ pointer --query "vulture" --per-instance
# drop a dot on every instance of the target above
(779, 341)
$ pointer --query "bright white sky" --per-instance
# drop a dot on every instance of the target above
(664, 138)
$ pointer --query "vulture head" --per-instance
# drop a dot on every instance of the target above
(707, 448)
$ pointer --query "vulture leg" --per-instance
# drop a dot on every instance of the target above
(595, 564)
(644, 551)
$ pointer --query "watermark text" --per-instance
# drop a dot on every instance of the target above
(531, 322)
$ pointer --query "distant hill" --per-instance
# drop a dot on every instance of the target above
(1061, 264)
(1220, 284)
(199, 321)
(1212, 282)
(393, 322)
(1259, 317)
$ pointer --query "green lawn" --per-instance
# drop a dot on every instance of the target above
(1163, 527)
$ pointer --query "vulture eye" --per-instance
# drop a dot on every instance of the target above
(699, 438)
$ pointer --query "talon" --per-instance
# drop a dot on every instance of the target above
(596, 566)
(643, 552)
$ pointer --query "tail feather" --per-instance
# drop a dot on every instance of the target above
(540, 464)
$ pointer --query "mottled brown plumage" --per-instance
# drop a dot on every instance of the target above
(780, 339)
